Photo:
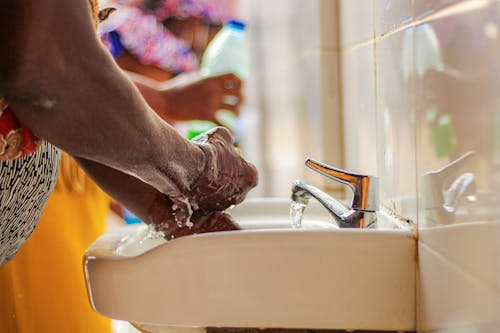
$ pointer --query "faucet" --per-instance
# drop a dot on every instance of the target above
(361, 214)
(444, 188)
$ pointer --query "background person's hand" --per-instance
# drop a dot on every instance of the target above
(202, 97)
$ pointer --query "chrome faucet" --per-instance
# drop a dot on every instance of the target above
(444, 188)
(364, 205)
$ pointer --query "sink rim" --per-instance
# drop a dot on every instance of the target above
(315, 213)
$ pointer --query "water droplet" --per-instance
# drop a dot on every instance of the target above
(124, 239)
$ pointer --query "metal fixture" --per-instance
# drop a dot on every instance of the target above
(361, 214)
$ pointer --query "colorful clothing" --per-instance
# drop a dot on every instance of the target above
(25, 185)
(43, 288)
(15, 139)
(211, 11)
(140, 31)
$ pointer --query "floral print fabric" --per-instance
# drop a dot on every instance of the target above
(142, 33)
(146, 38)
(15, 139)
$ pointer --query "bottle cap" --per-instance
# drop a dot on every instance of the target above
(237, 25)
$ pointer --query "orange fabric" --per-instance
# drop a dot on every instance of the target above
(43, 288)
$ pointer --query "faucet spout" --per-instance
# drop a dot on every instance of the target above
(364, 205)
(345, 218)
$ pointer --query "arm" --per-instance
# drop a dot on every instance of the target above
(149, 204)
(195, 97)
(64, 86)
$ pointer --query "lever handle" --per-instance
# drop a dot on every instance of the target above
(365, 187)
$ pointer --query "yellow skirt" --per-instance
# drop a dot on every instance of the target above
(43, 288)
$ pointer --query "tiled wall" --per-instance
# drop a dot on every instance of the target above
(421, 89)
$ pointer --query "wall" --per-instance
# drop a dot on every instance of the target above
(420, 89)
(293, 78)
(399, 89)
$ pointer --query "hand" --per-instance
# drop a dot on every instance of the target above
(152, 206)
(227, 176)
(223, 178)
(201, 98)
(212, 222)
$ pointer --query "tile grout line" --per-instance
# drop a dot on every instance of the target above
(458, 8)
(465, 273)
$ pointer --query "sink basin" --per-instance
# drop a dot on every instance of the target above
(269, 275)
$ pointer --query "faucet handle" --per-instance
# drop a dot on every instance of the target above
(365, 187)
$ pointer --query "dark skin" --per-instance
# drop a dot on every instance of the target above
(151, 206)
(198, 98)
(63, 85)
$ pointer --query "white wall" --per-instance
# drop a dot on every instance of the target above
(420, 83)
(292, 82)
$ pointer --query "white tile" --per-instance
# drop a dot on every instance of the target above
(390, 14)
(451, 299)
(458, 108)
(423, 8)
(471, 247)
(356, 21)
(301, 121)
(396, 123)
(331, 126)
(359, 111)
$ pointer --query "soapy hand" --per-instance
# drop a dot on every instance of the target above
(212, 222)
(227, 176)
(223, 179)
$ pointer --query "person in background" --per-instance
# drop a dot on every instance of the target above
(72, 180)
(159, 40)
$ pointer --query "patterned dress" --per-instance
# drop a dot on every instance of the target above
(28, 174)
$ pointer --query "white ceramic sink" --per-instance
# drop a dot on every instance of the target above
(268, 275)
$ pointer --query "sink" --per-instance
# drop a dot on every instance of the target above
(268, 275)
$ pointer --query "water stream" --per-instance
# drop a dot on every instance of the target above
(297, 213)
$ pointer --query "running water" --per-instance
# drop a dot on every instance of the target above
(297, 213)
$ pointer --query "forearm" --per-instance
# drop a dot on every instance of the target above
(159, 96)
(156, 100)
(66, 88)
(150, 205)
